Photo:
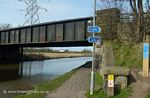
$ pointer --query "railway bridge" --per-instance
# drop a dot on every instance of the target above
(64, 33)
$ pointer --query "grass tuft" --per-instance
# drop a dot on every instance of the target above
(148, 96)
(125, 93)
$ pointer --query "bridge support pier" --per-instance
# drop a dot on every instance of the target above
(10, 54)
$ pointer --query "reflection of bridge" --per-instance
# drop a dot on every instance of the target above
(52, 34)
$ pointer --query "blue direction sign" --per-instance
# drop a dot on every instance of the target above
(92, 39)
(94, 29)
(146, 50)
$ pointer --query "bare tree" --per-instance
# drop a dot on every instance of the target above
(122, 5)
(137, 10)
(5, 26)
(148, 4)
(138, 20)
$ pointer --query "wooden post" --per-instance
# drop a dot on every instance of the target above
(110, 89)
(145, 60)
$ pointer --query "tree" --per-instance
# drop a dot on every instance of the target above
(147, 20)
(148, 4)
(137, 9)
(120, 4)
(4, 26)
(138, 19)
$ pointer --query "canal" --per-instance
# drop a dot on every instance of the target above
(26, 75)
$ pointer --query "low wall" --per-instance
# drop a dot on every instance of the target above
(104, 59)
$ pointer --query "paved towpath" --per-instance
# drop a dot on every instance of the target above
(75, 87)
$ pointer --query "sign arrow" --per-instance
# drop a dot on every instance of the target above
(95, 39)
(94, 29)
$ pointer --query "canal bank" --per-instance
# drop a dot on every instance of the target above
(75, 87)
(73, 84)
(53, 55)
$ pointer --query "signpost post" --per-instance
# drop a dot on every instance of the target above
(93, 39)
(145, 59)
(93, 54)
(93, 29)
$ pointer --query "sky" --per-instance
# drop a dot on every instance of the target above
(13, 11)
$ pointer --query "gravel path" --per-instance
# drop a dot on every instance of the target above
(140, 86)
(75, 87)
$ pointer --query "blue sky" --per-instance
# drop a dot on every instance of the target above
(11, 11)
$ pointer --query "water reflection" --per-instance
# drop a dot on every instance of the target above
(54, 66)
(32, 68)
(40, 68)
(26, 75)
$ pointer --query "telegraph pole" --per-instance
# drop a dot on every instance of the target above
(93, 53)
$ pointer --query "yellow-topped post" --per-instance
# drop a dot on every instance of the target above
(110, 89)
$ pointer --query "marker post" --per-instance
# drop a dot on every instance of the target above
(146, 60)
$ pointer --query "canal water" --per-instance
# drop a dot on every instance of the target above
(26, 75)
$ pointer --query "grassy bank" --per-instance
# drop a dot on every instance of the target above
(148, 96)
(127, 54)
(99, 93)
(48, 86)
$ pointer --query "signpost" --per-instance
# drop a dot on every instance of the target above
(145, 59)
(93, 29)
(110, 90)
(110, 80)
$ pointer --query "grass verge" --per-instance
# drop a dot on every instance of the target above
(125, 93)
(98, 80)
(98, 83)
(148, 96)
(48, 86)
